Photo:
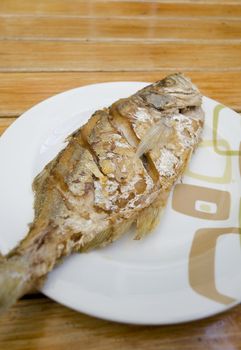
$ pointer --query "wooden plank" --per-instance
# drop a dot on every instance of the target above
(44, 325)
(72, 28)
(122, 8)
(20, 91)
(5, 123)
(78, 56)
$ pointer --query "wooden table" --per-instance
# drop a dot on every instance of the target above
(49, 46)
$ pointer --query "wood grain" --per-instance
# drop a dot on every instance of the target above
(44, 325)
(161, 9)
(82, 29)
(5, 123)
(20, 91)
(78, 56)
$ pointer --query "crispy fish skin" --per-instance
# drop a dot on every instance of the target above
(117, 169)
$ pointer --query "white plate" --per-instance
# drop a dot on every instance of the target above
(187, 269)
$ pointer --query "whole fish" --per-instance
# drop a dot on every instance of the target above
(116, 170)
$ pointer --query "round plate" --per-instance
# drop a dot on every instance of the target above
(187, 269)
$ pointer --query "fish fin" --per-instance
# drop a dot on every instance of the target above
(13, 282)
(149, 218)
(119, 230)
(101, 239)
(106, 236)
(159, 134)
(2, 258)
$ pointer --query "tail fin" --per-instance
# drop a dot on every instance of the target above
(13, 282)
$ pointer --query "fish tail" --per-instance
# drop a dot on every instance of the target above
(13, 282)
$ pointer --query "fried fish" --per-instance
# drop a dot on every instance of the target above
(117, 170)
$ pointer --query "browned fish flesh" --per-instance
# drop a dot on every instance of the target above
(116, 170)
